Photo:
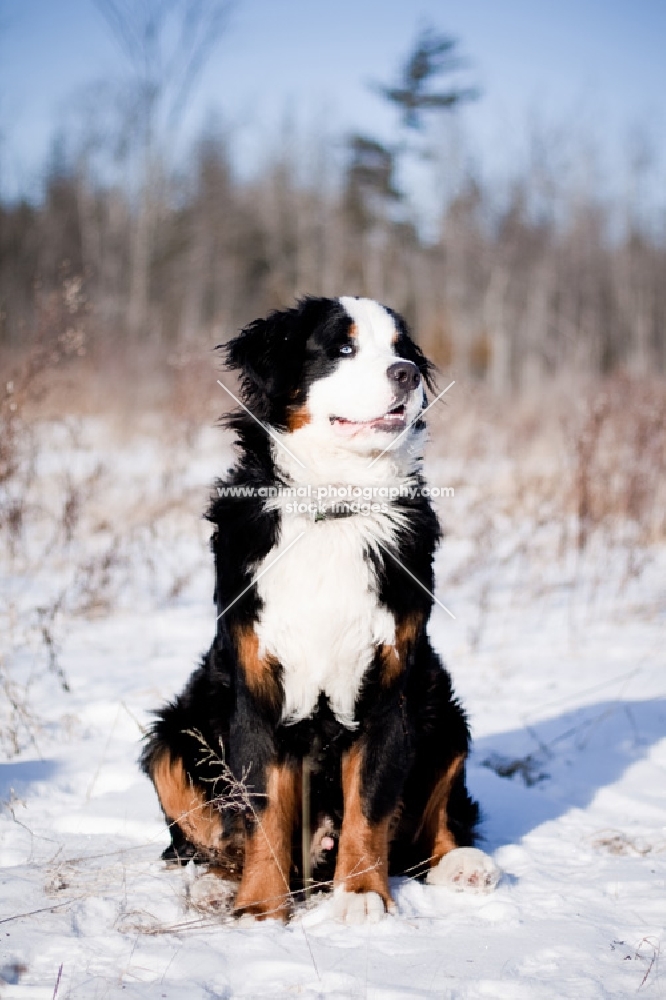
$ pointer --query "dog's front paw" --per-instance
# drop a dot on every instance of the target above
(465, 869)
(359, 907)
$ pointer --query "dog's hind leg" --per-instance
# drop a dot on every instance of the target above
(435, 833)
(194, 822)
(437, 829)
(184, 756)
(459, 867)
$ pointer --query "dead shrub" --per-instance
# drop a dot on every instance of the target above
(619, 460)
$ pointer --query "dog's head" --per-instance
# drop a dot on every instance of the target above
(345, 368)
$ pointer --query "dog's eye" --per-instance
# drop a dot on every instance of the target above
(347, 350)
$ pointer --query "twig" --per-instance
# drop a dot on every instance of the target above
(43, 909)
(57, 982)
(653, 959)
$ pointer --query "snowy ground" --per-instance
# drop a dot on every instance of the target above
(565, 685)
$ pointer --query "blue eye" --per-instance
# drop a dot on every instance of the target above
(346, 349)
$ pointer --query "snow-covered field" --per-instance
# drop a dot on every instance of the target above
(561, 665)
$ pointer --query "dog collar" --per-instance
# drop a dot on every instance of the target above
(322, 514)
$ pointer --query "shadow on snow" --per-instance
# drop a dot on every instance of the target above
(526, 777)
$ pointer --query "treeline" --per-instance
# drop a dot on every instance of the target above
(502, 291)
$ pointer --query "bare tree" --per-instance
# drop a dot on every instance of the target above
(167, 44)
(517, 280)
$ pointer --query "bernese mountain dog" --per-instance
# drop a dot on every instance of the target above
(323, 543)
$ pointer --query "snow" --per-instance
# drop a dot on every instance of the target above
(563, 674)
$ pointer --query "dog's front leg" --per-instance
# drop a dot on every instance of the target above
(361, 874)
(264, 889)
(373, 771)
(269, 788)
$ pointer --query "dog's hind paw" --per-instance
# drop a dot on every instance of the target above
(465, 869)
(358, 907)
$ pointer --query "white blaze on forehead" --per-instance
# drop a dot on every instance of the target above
(359, 388)
(374, 324)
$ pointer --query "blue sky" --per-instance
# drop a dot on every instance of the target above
(597, 64)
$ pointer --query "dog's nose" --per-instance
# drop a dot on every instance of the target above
(405, 374)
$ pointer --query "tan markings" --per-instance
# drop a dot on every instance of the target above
(264, 888)
(297, 417)
(260, 673)
(352, 333)
(185, 804)
(362, 864)
(434, 829)
(394, 657)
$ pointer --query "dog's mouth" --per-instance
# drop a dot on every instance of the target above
(394, 419)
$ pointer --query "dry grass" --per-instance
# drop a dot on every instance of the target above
(575, 474)
(593, 452)
(60, 338)
(542, 484)
(80, 523)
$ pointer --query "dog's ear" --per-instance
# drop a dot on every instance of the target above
(252, 352)
(267, 354)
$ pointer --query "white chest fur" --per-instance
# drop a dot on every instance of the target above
(321, 616)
